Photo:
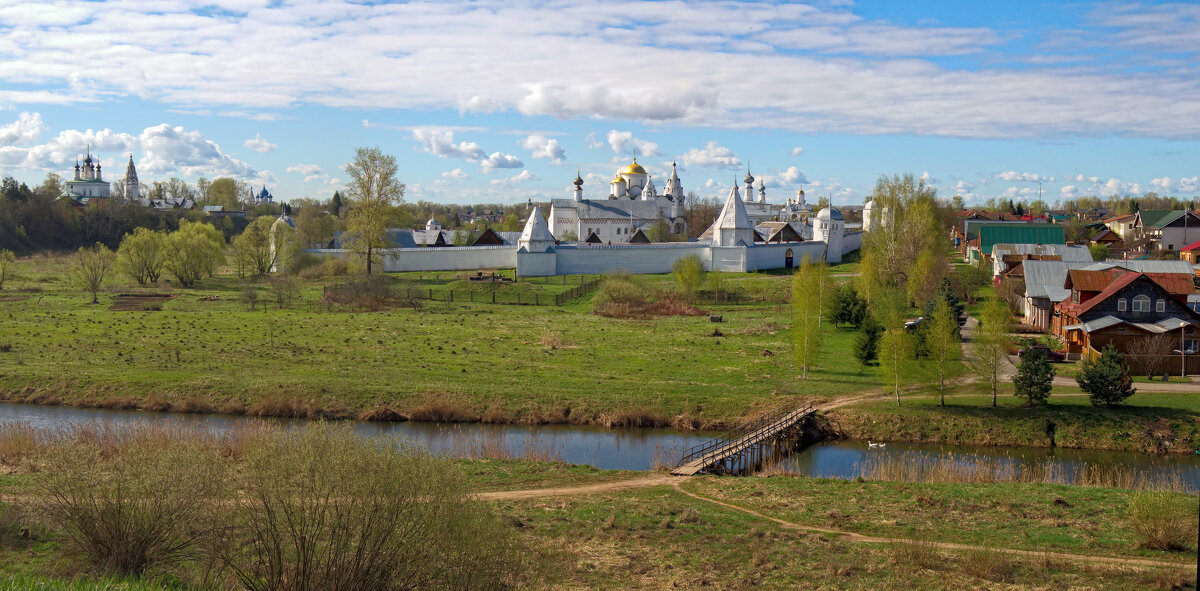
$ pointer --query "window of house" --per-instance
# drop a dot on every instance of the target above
(1160, 305)
(1122, 304)
(1141, 304)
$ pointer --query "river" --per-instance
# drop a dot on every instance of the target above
(640, 449)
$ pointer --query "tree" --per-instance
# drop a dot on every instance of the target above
(1106, 380)
(957, 203)
(253, 253)
(969, 279)
(944, 347)
(689, 275)
(374, 192)
(809, 286)
(91, 266)
(6, 259)
(989, 346)
(1035, 377)
(225, 192)
(196, 250)
(1098, 251)
(52, 186)
(143, 255)
(925, 276)
(284, 290)
(1152, 352)
(866, 342)
(846, 307)
(336, 204)
(895, 353)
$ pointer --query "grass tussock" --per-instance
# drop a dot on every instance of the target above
(916, 554)
(383, 414)
(1162, 522)
(989, 564)
(633, 418)
(440, 408)
(283, 406)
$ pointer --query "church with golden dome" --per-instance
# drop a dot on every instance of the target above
(633, 203)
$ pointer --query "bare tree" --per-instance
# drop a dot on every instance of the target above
(1152, 352)
(91, 266)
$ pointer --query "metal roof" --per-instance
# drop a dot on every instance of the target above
(1068, 253)
(990, 235)
(1045, 279)
(1143, 266)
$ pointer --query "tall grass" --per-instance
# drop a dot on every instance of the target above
(494, 445)
(1162, 522)
(954, 469)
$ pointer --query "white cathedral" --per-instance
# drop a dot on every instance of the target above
(88, 182)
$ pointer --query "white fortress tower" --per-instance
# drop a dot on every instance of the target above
(868, 216)
(733, 227)
(829, 228)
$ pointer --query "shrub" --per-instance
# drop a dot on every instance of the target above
(141, 505)
(1160, 521)
(336, 267)
(327, 509)
(689, 275)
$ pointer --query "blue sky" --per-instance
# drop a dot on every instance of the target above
(503, 101)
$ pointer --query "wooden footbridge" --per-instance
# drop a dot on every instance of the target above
(742, 449)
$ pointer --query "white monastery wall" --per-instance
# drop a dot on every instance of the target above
(450, 258)
(851, 241)
(639, 258)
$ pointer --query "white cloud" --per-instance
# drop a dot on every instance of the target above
(1119, 187)
(623, 142)
(569, 102)
(522, 177)
(1079, 178)
(1068, 191)
(304, 169)
(457, 174)
(793, 175)
(796, 151)
(928, 178)
(1013, 176)
(1185, 185)
(440, 143)
(500, 160)
(259, 144)
(544, 148)
(712, 155)
(24, 130)
(593, 143)
(160, 150)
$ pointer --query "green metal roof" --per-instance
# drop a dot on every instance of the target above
(1019, 234)
(1155, 218)
(971, 227)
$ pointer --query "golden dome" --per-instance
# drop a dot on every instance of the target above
(634, 168)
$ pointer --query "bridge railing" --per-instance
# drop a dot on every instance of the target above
(741, 431)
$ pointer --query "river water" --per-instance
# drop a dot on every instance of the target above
(640, 449)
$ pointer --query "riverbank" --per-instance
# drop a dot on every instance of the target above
(1148, 423)
(613, 529)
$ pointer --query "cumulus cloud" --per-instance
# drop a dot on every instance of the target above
(544, 148)
(592, 142)
(500, 160)
(1079, 178)
(24, 130)
(304, 169)
(1183, 185)
(623, 142)
(712, 155)
(456, 174)
(652, 103)
(440, 143)
(1068, 191)
(796, 151)
(1119, 187)
(160, 150)
(259, 144)
(793, 175)
(928, 178)
(1013, 176)
(523, 176)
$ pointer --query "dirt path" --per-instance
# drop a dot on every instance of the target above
(675, 482)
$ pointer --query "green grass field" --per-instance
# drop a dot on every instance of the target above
(205, 351)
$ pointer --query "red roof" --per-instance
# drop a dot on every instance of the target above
(1118, 284)
(1174, 284)
(1193, 246)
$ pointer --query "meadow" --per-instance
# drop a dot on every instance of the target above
(206, 351)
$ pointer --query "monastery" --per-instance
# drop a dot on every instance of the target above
(584, 236)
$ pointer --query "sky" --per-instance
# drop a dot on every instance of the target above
(505, 101)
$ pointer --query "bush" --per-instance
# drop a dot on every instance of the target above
(146, 504)
(336, 267)
(618, 291)
(1160, 521)
(689, 275)
(327, 509)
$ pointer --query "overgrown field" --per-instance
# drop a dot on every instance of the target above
(205, 351)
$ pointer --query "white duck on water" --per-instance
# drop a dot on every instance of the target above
(873, 444)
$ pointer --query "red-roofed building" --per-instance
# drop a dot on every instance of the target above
(1190, 253)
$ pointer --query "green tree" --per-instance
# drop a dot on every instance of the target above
(6, 259)
(374, 192)
(1106, 380)
(196, 250)
(689, 275)
(253, 252)
(52, 186)
(91, 266)
(866, 342)
(223, 191)
(895, 356)
(809, 286)
(989, 346)
(944, 348)
(1098, 251)
(957, 203)
(142, 255)
(1035, 378)
(845, 307)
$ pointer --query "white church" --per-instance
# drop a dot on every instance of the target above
(547, 247)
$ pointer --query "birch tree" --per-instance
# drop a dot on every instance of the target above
(989, 346)
(809, 286)
(945, 349)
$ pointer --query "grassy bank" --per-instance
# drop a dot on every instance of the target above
(204, 351)
(1158, 423)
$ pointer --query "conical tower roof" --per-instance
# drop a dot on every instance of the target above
(733, 215)
(536, 229)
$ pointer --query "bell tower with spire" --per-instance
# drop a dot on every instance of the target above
(131, 181)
